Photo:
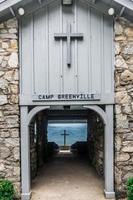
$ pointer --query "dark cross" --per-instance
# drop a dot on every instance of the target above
(68, 36)
(65, 135)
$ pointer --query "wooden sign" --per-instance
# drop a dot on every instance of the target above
(66, 97)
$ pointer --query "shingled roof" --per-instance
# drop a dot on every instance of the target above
(9, 8)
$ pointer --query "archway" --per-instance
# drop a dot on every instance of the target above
(107, 116)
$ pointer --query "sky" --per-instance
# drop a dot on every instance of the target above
(76, 131)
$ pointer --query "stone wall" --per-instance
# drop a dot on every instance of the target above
(40, 139)
(38, 143)
(124, 104)
(96, 143)
(33, 150)
(9, 109)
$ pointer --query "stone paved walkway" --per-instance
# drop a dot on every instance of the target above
(67, 178)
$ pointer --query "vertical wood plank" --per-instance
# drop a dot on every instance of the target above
(76, 86)
(68, 72)
(54, 48)
(96, 51)
(108, 65)
(83, 48)
(27, 36)
(40, 52)
(61, 53)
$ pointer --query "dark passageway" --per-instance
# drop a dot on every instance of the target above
(69, 173)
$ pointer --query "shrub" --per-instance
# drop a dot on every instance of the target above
(130, 189)
(7, 191)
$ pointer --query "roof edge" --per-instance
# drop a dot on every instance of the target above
(7, 4)
(126, 3)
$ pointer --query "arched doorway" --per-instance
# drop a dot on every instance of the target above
(106, 114)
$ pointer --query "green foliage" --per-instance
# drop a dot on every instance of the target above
(130, 188)
(7, 191)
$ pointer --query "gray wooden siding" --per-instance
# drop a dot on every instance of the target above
(43, 59)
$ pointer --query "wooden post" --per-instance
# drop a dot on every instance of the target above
(25, 155)
(109, 154)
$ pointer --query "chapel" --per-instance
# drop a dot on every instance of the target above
(66, 61)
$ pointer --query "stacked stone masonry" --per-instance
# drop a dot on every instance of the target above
(124, 104)
(33, 150)
(9, 109)
(96, 142)
(38, 143)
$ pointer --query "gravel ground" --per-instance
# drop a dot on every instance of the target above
(67, 178)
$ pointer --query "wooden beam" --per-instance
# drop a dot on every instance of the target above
(25, 155)
(65, 121)
(6, 12)
(126, 3)
(8, 4)
(12, 11)
(122, 11)
(2, 1)
(36, 6)
(101, 7)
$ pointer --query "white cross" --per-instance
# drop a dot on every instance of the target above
(68, 36)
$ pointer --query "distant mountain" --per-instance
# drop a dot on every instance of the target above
(76, 131)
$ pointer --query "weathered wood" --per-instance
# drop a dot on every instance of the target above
(25, 155)
(126, 3)
(8, 3)
(109, 154)
(91, 59)
(31, 6)
(68, 36)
